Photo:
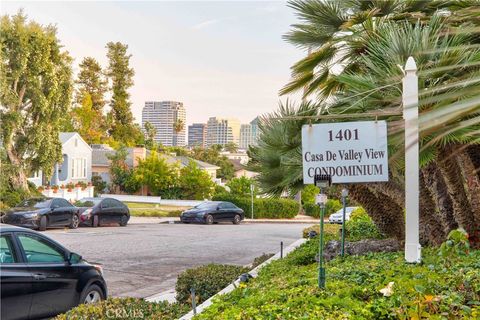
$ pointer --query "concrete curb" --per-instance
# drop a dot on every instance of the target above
(253, 221)
(253, 273)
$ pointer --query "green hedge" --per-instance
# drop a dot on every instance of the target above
(270, 208)
(313, 210)
(126, 309)
(207, 281)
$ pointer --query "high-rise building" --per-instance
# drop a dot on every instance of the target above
(249, 134)
(168, 118)
(222, 131)
(196, 134)
(255, 131)
(245, 136)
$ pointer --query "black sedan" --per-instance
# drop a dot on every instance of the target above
(40, 278)
(97, 211)
(213, 211)
(41, 213)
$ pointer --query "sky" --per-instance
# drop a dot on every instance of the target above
(219, 58)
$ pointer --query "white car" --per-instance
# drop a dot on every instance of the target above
(338, 216)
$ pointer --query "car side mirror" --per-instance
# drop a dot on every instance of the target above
(218, 208)
(73, 258)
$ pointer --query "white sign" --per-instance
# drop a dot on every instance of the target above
(348, 151)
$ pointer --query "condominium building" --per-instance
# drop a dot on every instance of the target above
(222, 131)
(249, 134)
(196, 134)
(168, 118)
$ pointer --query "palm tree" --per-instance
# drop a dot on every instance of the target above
(370, 39)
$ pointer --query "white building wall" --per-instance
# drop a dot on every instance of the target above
(163, 115)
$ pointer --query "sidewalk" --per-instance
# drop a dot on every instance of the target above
(150, 220)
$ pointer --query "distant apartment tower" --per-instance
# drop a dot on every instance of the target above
(222, 131)
(249, 134)
(168, 118)
(196, 134)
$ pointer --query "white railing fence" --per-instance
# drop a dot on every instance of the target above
(71, 195)
(152, 199)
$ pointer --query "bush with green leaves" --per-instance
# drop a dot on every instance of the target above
(313, 210)
(126, 309)
(269, 208)
(261, 259)
(288, 288)
(361, 226)
(207, 280)
(240, 187)
(308, 194)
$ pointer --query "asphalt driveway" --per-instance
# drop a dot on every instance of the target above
(144, 259)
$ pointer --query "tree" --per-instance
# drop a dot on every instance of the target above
(195, 183)
(371, 40)
(35, 93)
(212, 155)
(122, 176)
(121, 75)
(150, 133)
(86, 121)
(241, 186)
(155, 173)
(91, 81)
(231, 147)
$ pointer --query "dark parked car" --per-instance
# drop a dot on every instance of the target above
(97, 211)
(213, 211)
(41, 213)
(40, 278)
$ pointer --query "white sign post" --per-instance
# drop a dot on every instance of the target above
(349, 152)
(410, 114)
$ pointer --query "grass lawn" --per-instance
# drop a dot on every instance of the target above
(438, 288)
(153, 210)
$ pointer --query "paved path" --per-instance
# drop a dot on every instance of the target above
(143, 259)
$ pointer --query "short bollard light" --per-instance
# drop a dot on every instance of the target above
(321, 181)
(194, 302)
(245, 277)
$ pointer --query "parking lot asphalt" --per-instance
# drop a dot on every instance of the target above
(144, 259)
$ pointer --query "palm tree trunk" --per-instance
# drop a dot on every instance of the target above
(452, 173)
(385, 213)
(474, 153)
(431, 229)
(435, 183)
(472, 182)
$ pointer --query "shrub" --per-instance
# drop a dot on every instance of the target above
(360, 226)
(313, 210)
(332, 230)
(270, 208)
(99, 185)
(207, 281)
(240, 187)
(126, 309)
(308, 194)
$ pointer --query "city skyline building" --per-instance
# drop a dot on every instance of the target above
(169, 119)
(197, 134)
(222, 131)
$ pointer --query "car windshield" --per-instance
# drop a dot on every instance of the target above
(35, 203)
(205, 205)
(88, 202)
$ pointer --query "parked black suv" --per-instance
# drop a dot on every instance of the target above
(40, 278)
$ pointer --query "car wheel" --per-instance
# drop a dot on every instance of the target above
(237, 219)
(75, 222)
(42, 226)
(209, 219)
(123, 221)
(92, 294)
(95, 221)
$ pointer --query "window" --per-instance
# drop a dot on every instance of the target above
(38, 250)
(6, 252)
(60, 203)
(79, 168)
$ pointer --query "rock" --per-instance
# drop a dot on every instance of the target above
(333, 248)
